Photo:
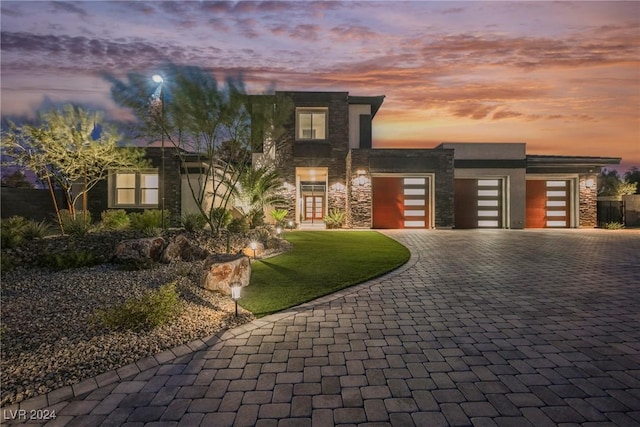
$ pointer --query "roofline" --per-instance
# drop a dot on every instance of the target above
(374, 101)
(534, 159)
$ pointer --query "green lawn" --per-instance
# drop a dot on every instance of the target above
(321, 262)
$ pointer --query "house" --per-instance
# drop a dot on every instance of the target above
(328, 162)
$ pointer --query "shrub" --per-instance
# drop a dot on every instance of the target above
(7, 263)
(238, 225)
(68, 259)
(154, 308)
(255, 218)
(279, 215)
(148, 219)
(12, 231)
(335, 218)
(115, 219)
(262, 235)
(193, 221)
(220, 217)
(36, 230)
(613, 226)
(78, 225)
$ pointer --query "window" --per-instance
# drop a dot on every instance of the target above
(135, 189)
(311, 123)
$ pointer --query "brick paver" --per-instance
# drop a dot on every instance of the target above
(481, 327)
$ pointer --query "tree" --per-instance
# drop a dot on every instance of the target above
(257, 188)
(210, 125)
(67, 148)
(632, 176)
(610, 184)
(16, 180)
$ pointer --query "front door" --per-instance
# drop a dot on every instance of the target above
(313, 207)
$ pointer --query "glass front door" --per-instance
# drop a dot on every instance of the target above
(313, 207)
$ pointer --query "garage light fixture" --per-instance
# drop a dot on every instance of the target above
(362, 179)
(590, 183)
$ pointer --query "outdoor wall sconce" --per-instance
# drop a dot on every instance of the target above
(338, 187)
(254, 246)
(590, 183)
(362, 179)
(235, 294)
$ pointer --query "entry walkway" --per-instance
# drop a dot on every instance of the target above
(484, 328)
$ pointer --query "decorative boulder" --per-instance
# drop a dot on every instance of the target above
(248, 251)
(140, 250)
(223, 270)
(182, 249)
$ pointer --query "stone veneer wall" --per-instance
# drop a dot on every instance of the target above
(291, 154)
(289, 201)
(358, 195)
(588, 208)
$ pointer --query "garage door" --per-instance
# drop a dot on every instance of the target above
(478, 203)
(548, 204)
(400, 202)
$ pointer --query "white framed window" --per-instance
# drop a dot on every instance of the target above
(135, 189)
(311, 124)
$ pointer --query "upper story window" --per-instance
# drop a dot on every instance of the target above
(135, 189)
(311, 123)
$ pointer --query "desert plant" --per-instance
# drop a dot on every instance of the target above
(154, 308)
(115, 219)
(148, 219)
(279, 216)
(12, 231)
(77, 225)
(221, 218)
(613, 225)
(193, 221)
(255, 218)
(238, 225)
(261, 234)
(36, 229)
(68, 259)
(335, 218)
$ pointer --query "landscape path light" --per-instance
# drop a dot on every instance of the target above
(235, 294)
(254, 246)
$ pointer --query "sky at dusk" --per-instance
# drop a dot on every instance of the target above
(564, 77)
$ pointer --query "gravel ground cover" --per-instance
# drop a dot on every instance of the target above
(49, 338)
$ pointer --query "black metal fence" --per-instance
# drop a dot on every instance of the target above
(610, 211)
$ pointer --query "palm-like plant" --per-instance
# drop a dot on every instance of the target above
(257, 187)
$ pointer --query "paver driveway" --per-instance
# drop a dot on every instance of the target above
(479, 328)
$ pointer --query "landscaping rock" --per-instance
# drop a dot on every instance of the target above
(181, 248)
(140, 250)
(223, 270)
